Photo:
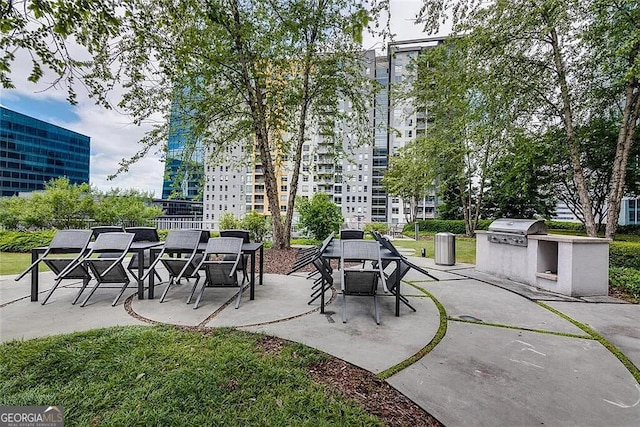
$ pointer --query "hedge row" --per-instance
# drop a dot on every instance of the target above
(626, 279)
(24, 241)
(444, 225)
(624, 255)
(457, 226)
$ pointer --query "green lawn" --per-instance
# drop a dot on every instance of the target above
(465, 247)
(15, 263)
(165, 376)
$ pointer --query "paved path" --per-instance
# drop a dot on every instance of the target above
(504, 359)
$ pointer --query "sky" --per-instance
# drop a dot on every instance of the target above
(113, 135)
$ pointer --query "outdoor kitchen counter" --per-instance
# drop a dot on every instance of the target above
(569, 265)
(567, 239)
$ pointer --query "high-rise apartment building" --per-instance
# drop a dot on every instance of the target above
(355, 182)
(33, 152)
(407, 122)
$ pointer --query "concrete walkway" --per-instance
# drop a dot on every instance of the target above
(504, 359)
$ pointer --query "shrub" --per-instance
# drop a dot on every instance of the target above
(626, 280)
(629, 229)
(319, 216)
(228, 221)
(565, 225)
(624, 255)
(24, 241)
(256, 224)
(380, 227)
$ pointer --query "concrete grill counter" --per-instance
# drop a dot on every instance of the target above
(568, 265)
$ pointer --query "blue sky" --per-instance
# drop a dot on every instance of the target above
(48, 110)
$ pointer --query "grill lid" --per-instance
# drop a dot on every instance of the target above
(522, 227)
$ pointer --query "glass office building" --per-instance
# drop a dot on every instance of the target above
(184, 166)
(33, 152)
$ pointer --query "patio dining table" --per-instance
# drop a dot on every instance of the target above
(334, 251)
(136, 247)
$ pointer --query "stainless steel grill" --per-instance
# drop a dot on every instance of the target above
(514, 232)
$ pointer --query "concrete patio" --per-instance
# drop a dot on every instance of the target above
(504, 359)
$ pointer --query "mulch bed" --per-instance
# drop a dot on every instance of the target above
(374, 394)
(378, 397)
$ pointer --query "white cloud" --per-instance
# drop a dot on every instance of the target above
(113, 134)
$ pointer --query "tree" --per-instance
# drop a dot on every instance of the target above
(598, 138)
(256, 223)
(468, 124)
(563, 61)
(60, 205)
(42, 28)
(521, 180)
(68, 205)
(125, 207)
(319, 216)
(407, 177)
(257, 74)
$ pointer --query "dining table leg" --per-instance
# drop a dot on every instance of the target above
(34, 275)
(140, 274)
(398, 281)
(261, 262)
(152, 274)
(252, 284)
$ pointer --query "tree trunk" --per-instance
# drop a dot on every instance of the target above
(567, 118)
(631, 114)
(256, 103)
(300, 137)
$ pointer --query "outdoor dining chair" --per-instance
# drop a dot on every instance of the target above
(178, 242)
(397, 274)
(245, 236)
(361, 280)
(351, 234)
(109, 268)
(64, 242)
(96, 231)
(142, 234)
(220, 264)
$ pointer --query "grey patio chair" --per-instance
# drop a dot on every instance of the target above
(109, 268)
(397, 274)
(361, 280)
(142, 234)
(220, 264)
(64, 242)
(351, 234)
(246, 238)
(105, 229)
(178, 242)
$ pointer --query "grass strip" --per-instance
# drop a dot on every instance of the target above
(519, 328)
(633, 369)
(442, 330)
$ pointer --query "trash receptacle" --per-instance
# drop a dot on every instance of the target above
(445, 249)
